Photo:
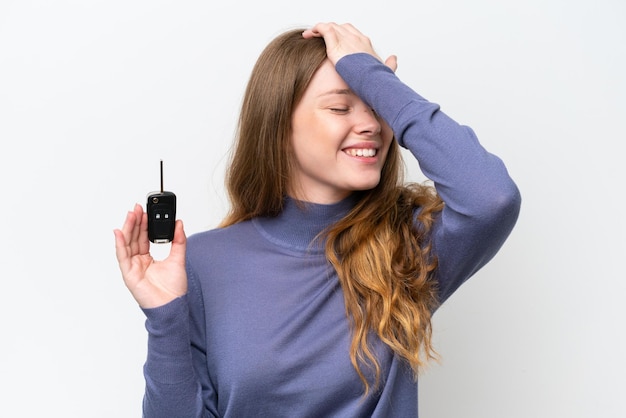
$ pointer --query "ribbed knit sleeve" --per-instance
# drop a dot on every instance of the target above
(482, 202)
(172, 387)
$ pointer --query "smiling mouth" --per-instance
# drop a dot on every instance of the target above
(361, 152)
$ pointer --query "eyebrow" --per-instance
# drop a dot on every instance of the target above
(337, 91)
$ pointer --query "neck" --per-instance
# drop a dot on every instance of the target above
(300, 222)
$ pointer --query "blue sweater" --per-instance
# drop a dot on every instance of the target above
(262, 331)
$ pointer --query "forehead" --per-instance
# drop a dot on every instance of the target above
(326, 81)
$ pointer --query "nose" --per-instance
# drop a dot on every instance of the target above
(368, 122)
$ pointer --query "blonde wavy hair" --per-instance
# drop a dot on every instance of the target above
(381, 255)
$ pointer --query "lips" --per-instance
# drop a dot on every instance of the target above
(361, 152)
(362, 149)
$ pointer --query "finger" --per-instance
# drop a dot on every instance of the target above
(392, 62)
(331, 32)
(318, 30)
(324, 28)
(141, 245)
(128, 229)
(332, 39)
(310, 33)
(134, 232)
(121, 250)
(123, 240)
(342, 40)
(179, 243)
(142, 239)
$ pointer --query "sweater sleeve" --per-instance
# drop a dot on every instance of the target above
(482, 202)
(177, 380)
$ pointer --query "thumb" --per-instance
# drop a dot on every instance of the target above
(179, 243)
(392, 62)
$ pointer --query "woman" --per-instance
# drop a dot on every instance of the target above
(314, 297)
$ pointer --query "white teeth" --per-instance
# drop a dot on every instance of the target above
(362, 152)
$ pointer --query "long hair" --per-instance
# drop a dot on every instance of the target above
(381, 254)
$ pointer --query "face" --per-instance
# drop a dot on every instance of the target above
(340, 144)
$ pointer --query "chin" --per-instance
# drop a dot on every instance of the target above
(366, 186)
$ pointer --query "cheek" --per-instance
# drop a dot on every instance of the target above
(306, 126)
(387, 136)
(386, 131)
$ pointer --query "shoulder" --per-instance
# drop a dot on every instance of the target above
(217, 249)
(220, 237)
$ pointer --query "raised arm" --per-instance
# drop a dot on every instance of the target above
(482, 202)
(173, 388)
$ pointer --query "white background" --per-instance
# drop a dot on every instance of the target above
(94, 93)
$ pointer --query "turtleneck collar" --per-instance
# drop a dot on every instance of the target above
(300, 222)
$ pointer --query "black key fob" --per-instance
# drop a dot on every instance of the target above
(161, 210)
